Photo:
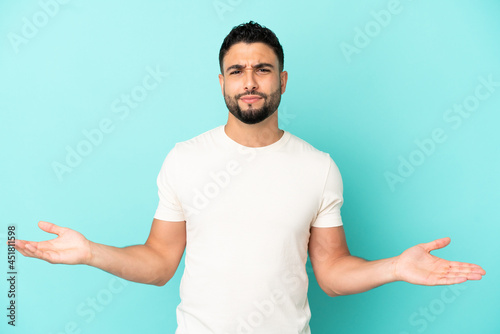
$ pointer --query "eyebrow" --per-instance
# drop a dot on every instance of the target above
(256, 66)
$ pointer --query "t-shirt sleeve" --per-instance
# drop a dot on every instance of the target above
(169, 207)
(332, 199)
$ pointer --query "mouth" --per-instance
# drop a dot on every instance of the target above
(250, 98)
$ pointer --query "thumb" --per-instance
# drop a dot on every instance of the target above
(49, 227)
(436, 244)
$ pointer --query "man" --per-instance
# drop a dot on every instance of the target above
(247, 201)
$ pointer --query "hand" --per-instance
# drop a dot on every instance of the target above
(70, 247)
(417, 266)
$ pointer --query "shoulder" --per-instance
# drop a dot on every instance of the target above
(314, 156)
(192, 147)
(299, 145)
(201, 141)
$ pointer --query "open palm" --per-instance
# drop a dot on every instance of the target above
(417, 266)
(70, 247)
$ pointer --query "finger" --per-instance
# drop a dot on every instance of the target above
(436, 244)
(30, 249)
(463, 267)
(467, 274)
(24, 253)
(33, 249)
(450, 280)
(40, 254)
(20, 246)
(50, 228)
(462, 276)
(474, 276)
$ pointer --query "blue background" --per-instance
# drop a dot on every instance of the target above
(366, 109)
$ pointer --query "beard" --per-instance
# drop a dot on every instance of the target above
(252, 115)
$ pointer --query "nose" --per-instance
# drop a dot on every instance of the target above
(250, 81)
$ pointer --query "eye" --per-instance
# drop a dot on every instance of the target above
(264, 70)
(235, 72)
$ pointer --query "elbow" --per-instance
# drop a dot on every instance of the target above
(162, 278)
(159, 283)
(330, 291)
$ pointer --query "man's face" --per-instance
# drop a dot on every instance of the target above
(252, 83)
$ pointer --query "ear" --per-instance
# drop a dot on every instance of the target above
(283, 80)
(221, 82)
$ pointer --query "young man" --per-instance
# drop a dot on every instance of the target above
(247, 201)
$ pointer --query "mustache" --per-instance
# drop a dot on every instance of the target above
(251, 93)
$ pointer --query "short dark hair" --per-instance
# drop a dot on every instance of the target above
(251, 32)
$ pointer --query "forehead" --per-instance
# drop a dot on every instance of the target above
(250, 53)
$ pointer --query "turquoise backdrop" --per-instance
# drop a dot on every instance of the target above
(404, 95)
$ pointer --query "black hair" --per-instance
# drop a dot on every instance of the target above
(251, 32)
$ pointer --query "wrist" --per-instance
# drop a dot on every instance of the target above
(394, 269)
(89, 259)
(387, 270)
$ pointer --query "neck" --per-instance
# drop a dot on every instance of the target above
(254, 135)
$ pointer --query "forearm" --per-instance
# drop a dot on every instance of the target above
(140, 263)
(350, 275)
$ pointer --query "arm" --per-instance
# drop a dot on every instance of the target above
(155, 262)
(340, 273)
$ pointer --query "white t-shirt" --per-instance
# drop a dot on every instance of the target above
(248, 214)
